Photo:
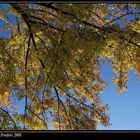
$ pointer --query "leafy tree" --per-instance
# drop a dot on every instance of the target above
(51, 62)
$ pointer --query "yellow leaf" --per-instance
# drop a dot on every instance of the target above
(5, 28)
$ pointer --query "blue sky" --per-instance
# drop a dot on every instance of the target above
(124, 109)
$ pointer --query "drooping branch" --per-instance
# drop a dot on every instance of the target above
(26, 84)
(43, 121)
(57, 94)
(26, 19)
(7, 113)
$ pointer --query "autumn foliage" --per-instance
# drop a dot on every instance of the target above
(50, 62)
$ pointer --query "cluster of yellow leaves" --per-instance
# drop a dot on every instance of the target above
(4, 97)
(33, 123)
(136, 26)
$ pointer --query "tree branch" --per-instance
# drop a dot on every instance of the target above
(57, 94)
(9, 117)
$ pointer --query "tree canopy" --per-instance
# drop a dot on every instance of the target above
(50, 61)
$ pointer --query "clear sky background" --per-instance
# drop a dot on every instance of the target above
(124, 109)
